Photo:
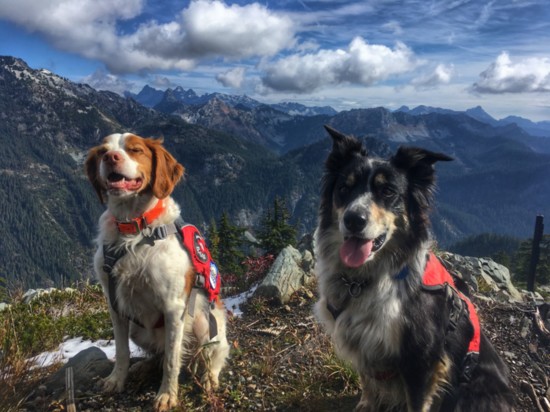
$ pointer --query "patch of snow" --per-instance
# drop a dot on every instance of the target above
(233, 303)
(73, 346)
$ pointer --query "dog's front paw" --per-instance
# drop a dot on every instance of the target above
(112, 383)
(165, 402)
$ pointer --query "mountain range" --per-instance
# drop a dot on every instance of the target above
(238, 157)
(533, 128)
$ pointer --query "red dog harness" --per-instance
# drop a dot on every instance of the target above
(208, 278)
(436, 277)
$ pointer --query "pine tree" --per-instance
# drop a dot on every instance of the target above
(276, 232)
(214, 240)
(229, 251)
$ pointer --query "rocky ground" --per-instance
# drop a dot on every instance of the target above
(281, 360)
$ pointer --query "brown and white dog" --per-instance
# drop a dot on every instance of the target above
(150, 284)
(390, 307)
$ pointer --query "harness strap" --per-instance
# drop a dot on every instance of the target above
(110, 257)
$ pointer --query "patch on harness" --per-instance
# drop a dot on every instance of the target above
(214, 274)
(202, 261)
(200, 247)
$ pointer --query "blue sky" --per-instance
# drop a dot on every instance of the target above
(348, 54)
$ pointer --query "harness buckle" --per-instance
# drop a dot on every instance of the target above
(161, 232)
(468, 366)
(199, 281)
(147, 231)
(457, 307)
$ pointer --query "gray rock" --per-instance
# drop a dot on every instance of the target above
(32, 294)
(483, 275)
(87, 366)
(290, 271)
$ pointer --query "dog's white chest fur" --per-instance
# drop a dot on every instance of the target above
(149, 278)
(368, 331)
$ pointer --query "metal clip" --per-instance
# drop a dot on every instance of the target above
(147, 231)
(354, 288)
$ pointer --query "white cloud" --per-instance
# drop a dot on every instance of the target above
(361, 63)
(101, 80)
(233, 78)
(441, 75)
(57, 16)
(206, 29)
(505, 76)
(213, 28)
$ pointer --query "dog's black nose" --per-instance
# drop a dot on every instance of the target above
(355, 221)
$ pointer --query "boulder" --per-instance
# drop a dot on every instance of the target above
(87, 365)
(289, 272)
(483, 275)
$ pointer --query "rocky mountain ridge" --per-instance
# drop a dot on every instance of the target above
(151, 97)
(541, 129)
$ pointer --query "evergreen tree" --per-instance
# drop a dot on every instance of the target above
(229, 251)
(276, 232)
(214, 240)
(523, 260)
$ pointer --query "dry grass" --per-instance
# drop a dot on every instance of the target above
(27, 329)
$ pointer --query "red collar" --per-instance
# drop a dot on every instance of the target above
(136, 225)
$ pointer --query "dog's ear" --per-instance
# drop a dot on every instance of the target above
(166, 170)
(418, 165)
(343, 145)
(91, 168)
(410, 158)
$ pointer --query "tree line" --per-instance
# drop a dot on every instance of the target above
(244, 257)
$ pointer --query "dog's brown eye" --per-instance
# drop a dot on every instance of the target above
(387, 191)
(135, 150)
(344, 190)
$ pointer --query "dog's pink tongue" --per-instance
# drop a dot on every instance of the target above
(354, 252)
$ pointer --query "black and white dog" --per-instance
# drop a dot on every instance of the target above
(387, 302)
